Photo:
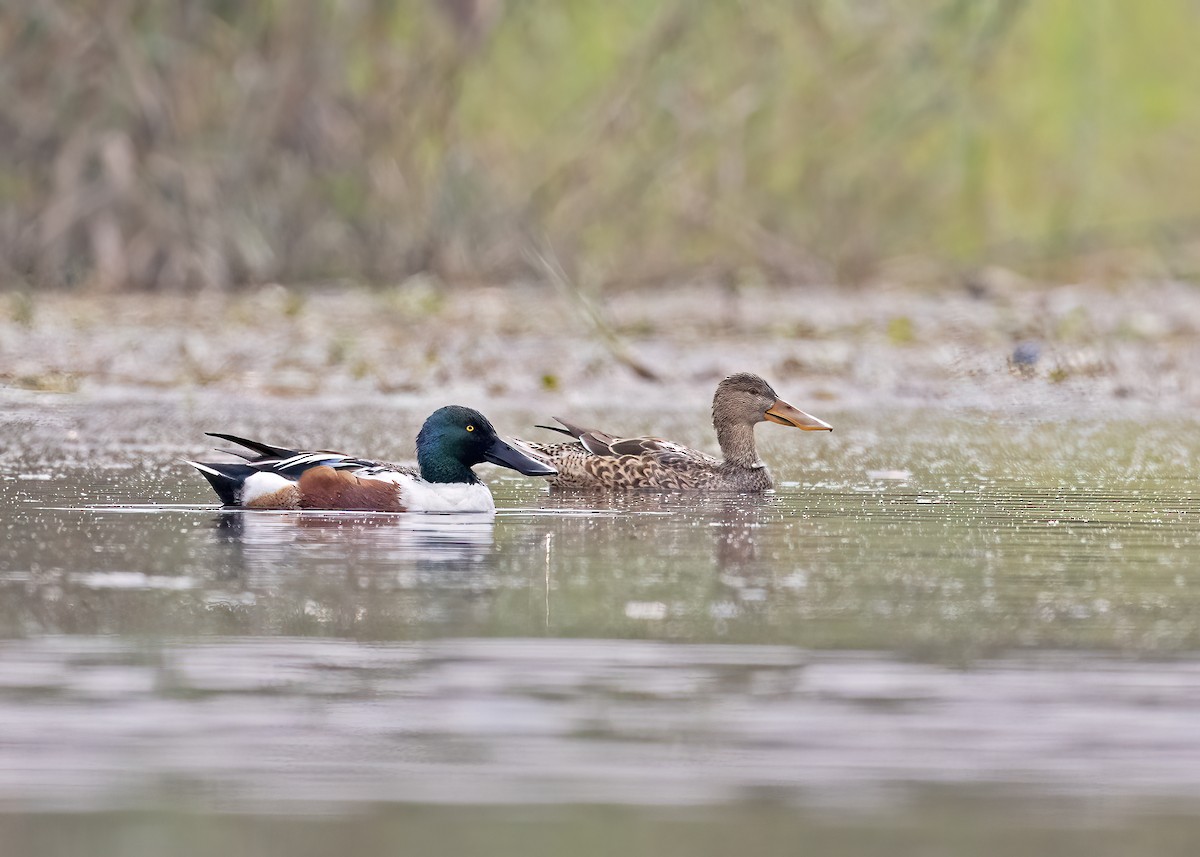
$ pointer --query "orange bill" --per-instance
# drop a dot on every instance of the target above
(784, 414)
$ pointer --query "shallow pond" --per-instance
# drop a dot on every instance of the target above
(939, 622)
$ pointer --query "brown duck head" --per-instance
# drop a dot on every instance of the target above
(745, 400)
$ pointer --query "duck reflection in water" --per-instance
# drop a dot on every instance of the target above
(751, 575)
(737, 523)
(372, 576)
(365, 544)
(443, 570)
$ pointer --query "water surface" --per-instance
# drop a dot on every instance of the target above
(933, 607)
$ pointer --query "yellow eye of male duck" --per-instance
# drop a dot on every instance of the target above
(470, 428)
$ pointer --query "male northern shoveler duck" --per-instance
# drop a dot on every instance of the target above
(600, 461)
(450, 443)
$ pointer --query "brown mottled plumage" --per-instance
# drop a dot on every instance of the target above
(600, 461)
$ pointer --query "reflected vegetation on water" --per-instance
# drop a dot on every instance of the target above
(927, 601)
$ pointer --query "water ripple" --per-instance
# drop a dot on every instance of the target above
(255, 723)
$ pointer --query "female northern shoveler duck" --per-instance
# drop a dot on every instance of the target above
(604, 462)
(450, 443)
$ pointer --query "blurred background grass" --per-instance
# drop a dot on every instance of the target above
(185, 144)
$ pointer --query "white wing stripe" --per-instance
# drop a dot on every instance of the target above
(307, 458)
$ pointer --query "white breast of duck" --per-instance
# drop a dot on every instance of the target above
(417, 495)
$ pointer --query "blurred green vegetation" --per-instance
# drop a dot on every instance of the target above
(178, 144)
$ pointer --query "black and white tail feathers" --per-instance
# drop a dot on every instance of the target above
(226, 479)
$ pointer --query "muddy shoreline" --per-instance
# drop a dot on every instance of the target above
(1007, 345)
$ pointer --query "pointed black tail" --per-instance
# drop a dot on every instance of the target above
(264, 449)
(226, 479)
